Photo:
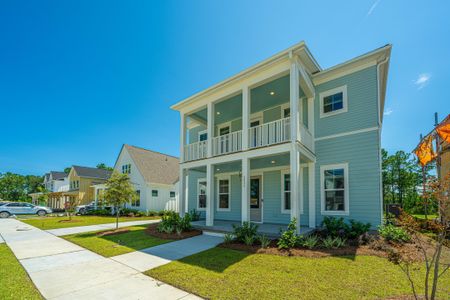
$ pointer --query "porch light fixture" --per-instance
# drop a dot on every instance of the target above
(272, 162)
(272, 93)
(218, 112)
(217, 169)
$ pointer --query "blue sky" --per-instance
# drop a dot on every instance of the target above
(80, 78)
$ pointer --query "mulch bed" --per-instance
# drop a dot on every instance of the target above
(314, 253)
(152, 230)
(112, 232)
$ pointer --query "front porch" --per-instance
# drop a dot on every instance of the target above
(270, 230)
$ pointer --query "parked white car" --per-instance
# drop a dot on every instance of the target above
(23, 208)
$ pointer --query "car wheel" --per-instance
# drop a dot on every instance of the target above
(4, 214)
(41, 213)
(82, 211)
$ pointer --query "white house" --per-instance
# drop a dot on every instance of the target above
(56, 183)
(154, 176)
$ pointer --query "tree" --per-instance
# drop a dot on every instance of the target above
(13, 187)
(67, 170)
(119, 191)
(104, 167)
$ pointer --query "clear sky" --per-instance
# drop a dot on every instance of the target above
(80, 78)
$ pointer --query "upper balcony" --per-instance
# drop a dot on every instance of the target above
(259, 116)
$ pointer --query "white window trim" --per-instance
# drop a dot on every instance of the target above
(327, 93)
(157, 192)
(202, 132)
(283, 210)
(346, 210)
(224, 125)
(229, 193)
(198, 194)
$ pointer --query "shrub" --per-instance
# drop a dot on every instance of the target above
(394, 234)
(151, 213)
(161, 213)
(264, 240)
(336, 227)
(249, 240)
(172, 222)
(310, 241)
(244, 230)
(288, 238)
(357, 228)
(195, 215)
(330, 242)
(228, 238)
(99, 212)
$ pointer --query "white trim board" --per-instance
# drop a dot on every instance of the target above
(346, 133)
(346, 210)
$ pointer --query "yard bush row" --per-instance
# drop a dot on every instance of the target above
(171, 222)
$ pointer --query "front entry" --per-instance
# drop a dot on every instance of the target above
(255, 199)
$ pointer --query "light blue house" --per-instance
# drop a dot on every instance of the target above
(285, 139)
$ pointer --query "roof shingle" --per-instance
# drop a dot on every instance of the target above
(92, 172)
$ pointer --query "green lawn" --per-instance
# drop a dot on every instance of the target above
(55, 222)
(429, 217)
(14, 281)
(116, 244)
(221, 273)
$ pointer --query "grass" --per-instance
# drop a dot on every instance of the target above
(14, 281)
(46, 223)
(116, 244)
(429, 217)
(221, 273)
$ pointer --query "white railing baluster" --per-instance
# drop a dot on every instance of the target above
(194, 151)
(269, 133)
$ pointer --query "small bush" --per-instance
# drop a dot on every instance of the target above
(288, 238)
(161, 213)
(151, 213)
(228, 238)
(264, 240)
(99, 212)
(357, 228)
(335, 226)
(172, 222)
(310, 241)
(245, 230)
(330, 242)
(249, 240)
(394, 234)
(195, 215)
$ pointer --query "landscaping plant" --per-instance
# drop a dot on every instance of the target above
(310, 241)
(264, 240)
(172, 222)
(288, 238)
(333, 243)
(247, 229)
(392, 233)
(195, 215)
(249, 240)
(336, 227)
(228, 238)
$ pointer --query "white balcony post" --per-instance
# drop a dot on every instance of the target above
(182, 137)
(295, 173)
(245, 190)
(245, 117)
(182, 192)
(210, 128)
(312, 194)
(209, 195)
(294, 101)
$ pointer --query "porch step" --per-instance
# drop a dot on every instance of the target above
(214, 233)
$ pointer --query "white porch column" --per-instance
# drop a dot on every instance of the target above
(294, 101)
(182, 136)
(209, 195)
(296, 189)
(245, 116)
(210, 128)
(182, 192)
(245, 197)
(312, 194)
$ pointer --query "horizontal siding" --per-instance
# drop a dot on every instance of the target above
(362, 104)
(193, 177)
(235, 213)
(193, 133)
(361, 152)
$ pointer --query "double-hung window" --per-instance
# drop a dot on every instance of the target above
(223, 185)
(126, 169)
(201, 194)
(202, 136)
(333, 102)
(172, 194)
(286, 192)
(334, 189)
(154, 193)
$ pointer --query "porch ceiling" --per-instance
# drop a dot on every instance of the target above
(261, 97)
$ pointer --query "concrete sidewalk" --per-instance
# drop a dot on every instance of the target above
(153, 257)
(81, 229)
(62, 270)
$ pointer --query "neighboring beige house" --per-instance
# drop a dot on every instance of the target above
(154, 176)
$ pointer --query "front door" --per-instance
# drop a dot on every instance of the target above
(255, 199)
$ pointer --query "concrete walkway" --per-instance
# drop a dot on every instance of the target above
(153, 257)
(81, 229)
(62, 270)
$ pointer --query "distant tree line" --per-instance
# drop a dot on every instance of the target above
(402, 181)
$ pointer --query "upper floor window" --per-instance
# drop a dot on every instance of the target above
(333, 102)
(126, 169)
(334, 189)
(154, 193)
(202, 136)
(224, 130)
(172, 194)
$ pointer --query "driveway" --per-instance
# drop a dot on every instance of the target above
(62, 270)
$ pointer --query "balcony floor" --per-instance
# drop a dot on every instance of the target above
(271, 230)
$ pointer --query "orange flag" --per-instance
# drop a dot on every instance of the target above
(444, 130)
(425, 152)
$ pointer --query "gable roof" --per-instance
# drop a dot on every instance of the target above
(155, 167)
(92, 172)
(58, 175)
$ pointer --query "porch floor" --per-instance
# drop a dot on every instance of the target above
(271, 230)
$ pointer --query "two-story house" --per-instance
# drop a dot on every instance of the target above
(286, 139)
(82, 181)
(56, 183)
(154, 176)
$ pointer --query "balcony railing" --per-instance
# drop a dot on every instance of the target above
(271, 133)
(194, 151)
(227, 143)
